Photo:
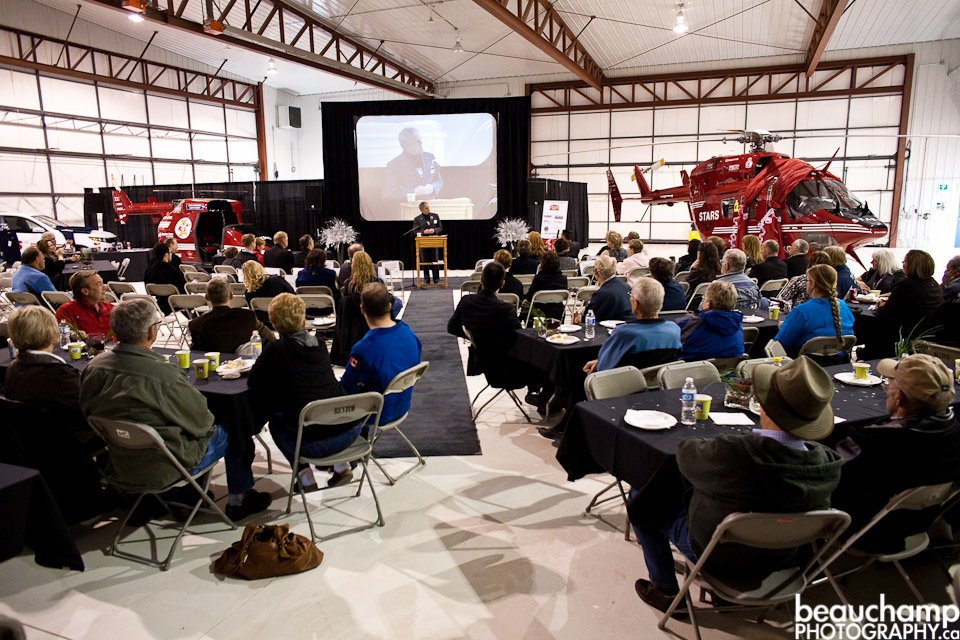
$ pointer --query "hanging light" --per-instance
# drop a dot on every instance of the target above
(135, 17)
(681, 26)
(458, 46)
(430, 19)
(272, 67)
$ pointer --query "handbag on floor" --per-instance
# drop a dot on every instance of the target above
(267, 551)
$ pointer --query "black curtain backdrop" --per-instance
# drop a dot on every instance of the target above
(575, 193)
(467, 240)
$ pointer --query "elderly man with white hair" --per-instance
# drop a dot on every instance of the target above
(612, 300)
(797, 257)
(731, 267)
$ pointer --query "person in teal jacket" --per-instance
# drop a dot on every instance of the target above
(820, 316)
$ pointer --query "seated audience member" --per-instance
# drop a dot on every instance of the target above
(751, 247)
(87, 311)
(230, 257)
(718, 242)
(706, 269)
(162, 271)
(172, 248)
(494, 325)
(132, 383)
(248, 252)
(316, 274)
(685, 262)
(278, 256)
(547, 279)
(911, 304)
(777, 468)
(614, 247)
(30, 277)
(537, 246)
(635, 259)
(772, 267)
(57, 441)
(510, 283)
(290, 373)
(346, 267)
(259, 246)
(224, 328)
(306, 246)
(562, 247)
(647, 337)
(632, 235)
(731, 268)
(797, 258)
(525, 263)
(259, 284)
(612, 300)
(388, 348)
(795, 293)
(53, 262)
(661, 270)
(884, 273)
(351, 325)
(822, 315)
(574, 245)
(918, 446)
(716, 332)
(951, 281)
(838, 260)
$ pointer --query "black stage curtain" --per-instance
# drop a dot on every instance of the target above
(467, 240)
(575, 193)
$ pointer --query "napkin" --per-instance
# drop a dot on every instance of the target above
(730, 418)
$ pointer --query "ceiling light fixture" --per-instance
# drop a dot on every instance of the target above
(458, 46)
(272, 67)
(135, 17)
(137, 6)
(681, 26)
(430, 19)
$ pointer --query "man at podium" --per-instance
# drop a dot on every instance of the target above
(428, 224)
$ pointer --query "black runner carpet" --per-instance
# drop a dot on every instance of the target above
(439, 421)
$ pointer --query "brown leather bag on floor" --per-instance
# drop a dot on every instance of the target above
(267, 551)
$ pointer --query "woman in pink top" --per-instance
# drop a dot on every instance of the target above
(635, 258)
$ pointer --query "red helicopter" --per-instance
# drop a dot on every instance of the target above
(767, 194)
(198, 224)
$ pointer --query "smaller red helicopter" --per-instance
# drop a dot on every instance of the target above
(198, 224)
(767, 194)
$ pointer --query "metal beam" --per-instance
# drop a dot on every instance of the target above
(827, 21)
(549, 33)
(901, 149)
(326, 49)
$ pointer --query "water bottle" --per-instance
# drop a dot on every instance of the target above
(688, 396)
(257, 345)
(64, 334)
(590, 325)
(777, 361)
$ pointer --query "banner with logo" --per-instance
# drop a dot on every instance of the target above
(554, 218)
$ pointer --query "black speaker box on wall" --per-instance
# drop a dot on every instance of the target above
(313, 198)
(536, 192)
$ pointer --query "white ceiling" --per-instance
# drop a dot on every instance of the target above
(622, 36)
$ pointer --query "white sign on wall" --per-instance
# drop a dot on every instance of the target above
(554, 218)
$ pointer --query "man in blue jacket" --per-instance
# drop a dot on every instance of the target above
(718, 331)
(612, 300)
(30, 277)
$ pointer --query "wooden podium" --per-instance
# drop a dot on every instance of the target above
(431, 242)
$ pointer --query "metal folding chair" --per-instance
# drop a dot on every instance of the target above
(315, 289)
(197, 276)
(470, 286)
(510, 392)
(22, 298)
(170, 323)
(697, 296)
(317, 301)
(550, 296)
(54, 299)
(400, 383)
(673, 376)
(745, 368)
(510, 298)
(196, 288)
(225, 268)
(772, 288)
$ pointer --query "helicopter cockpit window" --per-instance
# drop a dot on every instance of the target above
(810, 196)
(726, 207)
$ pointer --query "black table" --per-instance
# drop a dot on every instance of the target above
(31, 518)
(139, 260)
(562, 363)
(106, 270)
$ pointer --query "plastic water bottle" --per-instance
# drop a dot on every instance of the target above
(590, 325)
(777, 361)
(64, 334)
(257, 345)
(688, 396)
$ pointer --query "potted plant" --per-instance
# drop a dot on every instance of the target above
(905, 345)
(739, 391)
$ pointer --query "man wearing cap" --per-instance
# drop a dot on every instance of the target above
(776, 468)
(918, 446)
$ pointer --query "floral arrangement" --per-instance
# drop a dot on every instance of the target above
(509, 231)
(337, 234)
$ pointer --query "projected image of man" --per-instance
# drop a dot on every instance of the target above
(414, 171)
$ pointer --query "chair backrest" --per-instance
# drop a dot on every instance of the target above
(587, 270)
(774, 348)
(750, 335)
(510, 298)
(199, 288)
(22, 298)
(724, 365)
(570, 273)
(697, 296)
(550, 296)
(225, 268)
(621, 278)
(651, 373)
(685, 286)
(827, 345)
(162, 289)
(577, 282)
(475, 276)
(111, 297)
(946, 354)
(612, 383)
(315, 289)
(6, 282)
(773, 287)
(406, 379)
(316, 300)
(122, 434)
(525, 278)
(359, 407)
(586, 293)
(745, 367)
(673, 315)
(188, 302)
(333, 264)
(124, 265)
(274, 271)
(187, 268)
(682, 276)
(672, 376)
(239, 302)
(121, 288)
(470, 286)
(197, 276)
(260, 304)
(637, 272)
(142, 296)
(237, 289)
(55, 298)
(480, 264)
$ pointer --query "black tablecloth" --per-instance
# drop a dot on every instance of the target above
(106, 270)
(31, 518)
(563, 363)
(139, 260)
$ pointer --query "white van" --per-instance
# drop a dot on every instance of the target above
(30, 227)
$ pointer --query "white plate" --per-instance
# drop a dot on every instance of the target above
(649, 420)
(246, 365)
(563, 339)
(867, 298)
(849, 377)
(611, 324)
(327, 320)
(569, 328)
(752, 319)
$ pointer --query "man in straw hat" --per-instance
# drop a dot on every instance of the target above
(776, 468)
(919, 445)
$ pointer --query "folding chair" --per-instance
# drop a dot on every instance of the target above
(697, 296)
(549, 296)
(197, 276)
(192, 306)
(169, 322)
(54, 299)
(685, 286)
(638, 272)
(392, 273)
(111, 297)
(225, 268)
(470, 286)
(725, 365)
(400, 383)
(947, 355)
(827, 350)
(774, 349)
(122, 269)
(651, 373)
(196, 288)
(745, 368)
(333, 264)
(577, 282)
(187, 268)
(584, 294)
(613, 383)
(6, 282)
(570, 273)
(762, 531)
(673, 376)
(274, 271)
(510, 298)
(750, 335)
(682, 276)
(772, 288)
(121, 434)
(310, 289)
(121, 288)
(22, 298)
(260, 304)
(161, 290)
(332, 412)
(317, 301)
(480, 264)
(491, 385)
(475, 276)
(673, 315)
(621, 278)
(237, 289)
(587, 270)
(239, 303)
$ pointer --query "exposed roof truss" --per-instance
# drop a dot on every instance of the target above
(826, 24)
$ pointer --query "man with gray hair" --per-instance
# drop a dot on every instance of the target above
(797, 260)
(131, 382)
(414, 172)
(647, 337)
(731, 268)
(224, 328)
(772, 266)
(612, 300)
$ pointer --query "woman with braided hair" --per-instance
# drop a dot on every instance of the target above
(821, 315)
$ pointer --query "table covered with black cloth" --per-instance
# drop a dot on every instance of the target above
(139, 261)
(31, 518)
(562, 363)
(106, 270)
